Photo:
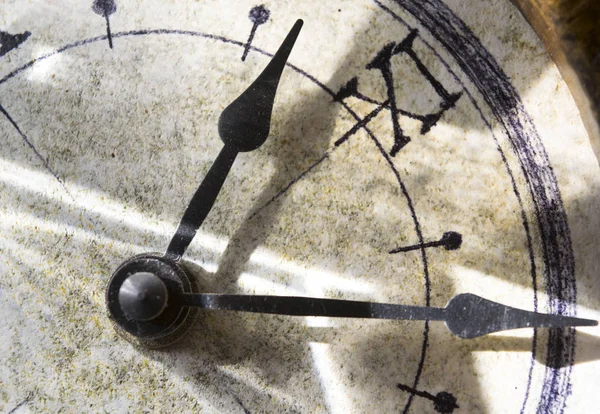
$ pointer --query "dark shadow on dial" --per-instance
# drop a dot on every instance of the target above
(301, 139)
(300, 135)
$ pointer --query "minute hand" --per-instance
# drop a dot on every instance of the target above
(243, 126)
(466, 315)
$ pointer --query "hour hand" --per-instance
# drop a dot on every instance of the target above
(243, 126)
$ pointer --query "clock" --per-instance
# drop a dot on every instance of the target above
(417, 151)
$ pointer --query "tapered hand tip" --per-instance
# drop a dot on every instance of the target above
(470, 316)
(245, 123)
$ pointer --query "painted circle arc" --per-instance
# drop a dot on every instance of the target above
(506, 105)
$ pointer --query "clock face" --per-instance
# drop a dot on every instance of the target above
(417, 151)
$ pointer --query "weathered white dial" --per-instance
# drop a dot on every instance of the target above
(418, 150)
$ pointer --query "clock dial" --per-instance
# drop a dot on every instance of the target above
(416, 151)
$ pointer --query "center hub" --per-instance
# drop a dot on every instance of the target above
(143, 298)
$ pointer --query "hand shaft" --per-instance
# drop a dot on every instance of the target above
(201, 203)
(243, 126)
(302, 306)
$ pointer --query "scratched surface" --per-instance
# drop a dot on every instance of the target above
(397, 121)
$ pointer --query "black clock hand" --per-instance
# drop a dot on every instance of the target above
(466, 315)
(243, 126)
(143, 296)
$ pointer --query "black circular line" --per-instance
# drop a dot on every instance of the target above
(124, 34)
(506, 105)
(324, 88)
(524, 220)
(421, 364)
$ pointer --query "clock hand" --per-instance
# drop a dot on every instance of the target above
(466, 315)
(144, 296)
(243, 126)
